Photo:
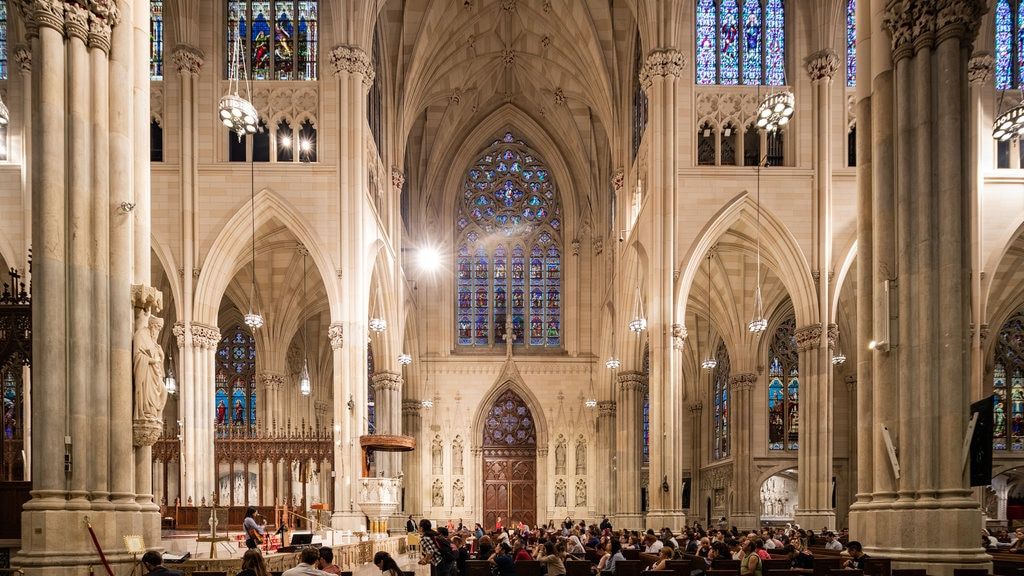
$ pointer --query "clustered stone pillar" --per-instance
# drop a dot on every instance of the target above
(354, 74)
(979, 73)
(659, 76)
(914, 388)
(195, 408)
(412, 425)
(272, 400)
(628, 448)
(605, 447)
(82, 109)
(744, 513)
(814, 460)
(697, 442)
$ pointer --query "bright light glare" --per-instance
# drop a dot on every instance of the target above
(872, 345)
(286, 141)
(430, 258)
(305, 145)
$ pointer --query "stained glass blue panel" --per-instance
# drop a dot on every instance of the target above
(707, 50)
(260, 41)
(236, 32)
(728, 40)
(775, 43)
(1020, 46)
(851, 43)
(3, 39)
(752, 50)
(284, 40)
(156, 41)
(1004, 45)
(309, 40)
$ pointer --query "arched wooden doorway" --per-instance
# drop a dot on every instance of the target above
(510, 462)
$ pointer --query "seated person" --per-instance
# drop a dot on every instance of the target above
(664, 555)
(832, 543)
(798, 558)
(307, 564)
(152, 563)
(857, 556)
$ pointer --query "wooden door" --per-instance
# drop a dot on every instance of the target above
(510, 463)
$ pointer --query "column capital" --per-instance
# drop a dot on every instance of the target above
(979, 68)
(606, 408)
(271, 381)
(179, 333)
(101, 21)
(631, 381)
(41, 13)
(661, 63)
(23, 56)
(353, 60)
(833, 336)
(914, 23)
(411, 407)
(187, 59)
(618, 180)
(679, 335)
(808, 337)
(205, 336)
(385, 380)
(76, 21)
(336, 334)
(822, 65)
(397, 178)
(743, 381)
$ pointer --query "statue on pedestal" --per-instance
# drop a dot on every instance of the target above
(148, 364)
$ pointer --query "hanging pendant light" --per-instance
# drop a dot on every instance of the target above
(170, 383)
(591, 400)
(710, 362)
(838, 359)
(776, 110)
(252, 318)
(404, 359)
(378, 324)
(639, 323)
(758, 323)
(612, 363)
(236, 112)
(1009, 124)
(305, 386)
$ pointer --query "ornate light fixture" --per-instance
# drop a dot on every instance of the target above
(378, 324)
(305, 386)
(758, 323)
(170, 383)
(427, 403)
(1009, 124)
(590, 403)
(639, 323)
(236, 112)
(710, 362)
(612, 363)
(775, 110)
(404, 359)
(591, 399)
(838, 358)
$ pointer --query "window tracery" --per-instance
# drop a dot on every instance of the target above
(1008, 386)
(280, 38)
(509, 250)
(1009, 44)
(851, 43)
(156, 39)
(720, 404)
(3, 40)
(235, 396)
(783, 388)
(741, 42)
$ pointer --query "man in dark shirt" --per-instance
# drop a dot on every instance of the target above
(857, 556)
(152, 562)
(798, 559)
(605, 523)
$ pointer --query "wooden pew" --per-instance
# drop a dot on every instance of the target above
(823, 566)
(878, 567)
(578, 568)
(478, 568)
(630, 554)
(629, 568)
(529, 568)
(775, 565)
(910, 572)
(970, 572)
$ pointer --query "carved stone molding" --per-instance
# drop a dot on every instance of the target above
(508, 57)
(179, 333)
(99, 32)
(833, 336)
(271, 381)
(696, 407)
(631, 381)
(411, 407)
(851, 382)
(913, 23)
(147, 298)
(722, 107)
(336, 334)
(559, 97)
(204, 336)
(979, 68)
(286, 102)
(391, 381)
(41, 13)
(156, 105)
(397, 178)
(743, 381)
(76, 21)
(575, 245)
(618, 180)
(606, 408)
(354, 61)
(23, 56)
(717, 477)
(678, 336)
(984, 333)
(808, 337)
(146, 432)
(661, 64)
(188, 60)
(822, 65)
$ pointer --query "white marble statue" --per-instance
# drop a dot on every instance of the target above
(581, 494)
(458, 494)
(457, 457)
(560, 458)
(437, 494)
(560, 494)
(581, 458)
(148, 364)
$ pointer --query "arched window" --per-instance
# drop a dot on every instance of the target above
(156, 39)
(375, 97)
(508, 255)
(706, 145)
(851, 43)
(1008, 386)
(645, 416)
(741, 42)
(729, 145)
(1009, 21)
(783, 388)
(307, 141)
(156, 141)
(235, 401)
(720, 404)
(283, 41)
(3, 39)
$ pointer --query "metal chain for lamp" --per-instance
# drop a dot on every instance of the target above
(305, 386)
(236, 112)
(710, 362)
(758, 323)
(253, 319)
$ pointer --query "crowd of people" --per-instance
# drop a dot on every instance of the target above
(447, 548)
(311, 562)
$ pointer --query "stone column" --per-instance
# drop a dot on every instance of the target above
(744, 513)
(628, 449)
(197, 393)
(920, 218)
(412, 425)
(697, 439)
(387, 387)
(658, 78)
(979, 73)
(814, 460)
(605, 446)
(272, 384)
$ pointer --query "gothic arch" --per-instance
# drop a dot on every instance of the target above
(166, 261)
(382, 304)
(509, 380)
(779, 249)
(222, 257)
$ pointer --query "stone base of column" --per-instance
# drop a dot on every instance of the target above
(938, 539)
(58, 541)
(628, 521)
(354, 521)
(658, 519)
(745, 522)
(815, 519)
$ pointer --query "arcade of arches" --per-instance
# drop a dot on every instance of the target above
(531, 234)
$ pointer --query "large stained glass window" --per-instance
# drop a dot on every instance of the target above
(278, 38)
(645, 416)
(720, 416)
(371, 395)
(3, 39)
(1008, 386)
(235, 396)
(851, 43)
(741, 42)
(508, 257)
(1009, 44)
(156, 39)
(783, 388)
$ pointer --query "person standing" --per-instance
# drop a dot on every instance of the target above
(410, 526)
(255, 533)
(440, 561)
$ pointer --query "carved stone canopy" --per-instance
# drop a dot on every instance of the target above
(661, 63)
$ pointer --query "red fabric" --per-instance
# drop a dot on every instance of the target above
(99, 550)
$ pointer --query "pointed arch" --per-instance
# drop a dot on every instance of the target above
(382, 304)
(509, 380)
(166, 260)
(779, 250)
(223, 259)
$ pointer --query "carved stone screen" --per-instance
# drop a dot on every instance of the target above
(510, 462)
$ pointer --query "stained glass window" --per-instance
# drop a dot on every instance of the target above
(783, 388)
(639, 97)
(235, 396)
(509, 423)
(282, 42)
(3, 39)
(645, 410)
(371, 397)
(720, 404)
(851, 43)
(741, 41)
(156, 39)
(1019, 35)
(1008, 386)
(508, 258)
